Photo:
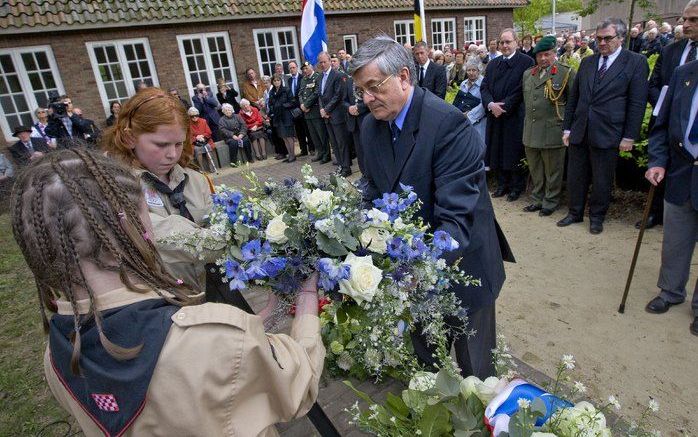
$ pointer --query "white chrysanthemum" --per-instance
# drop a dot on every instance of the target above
(345, 361)
(614, 402)
(579, 387)
(523, 403)
(422, 381)
(568, 361)
(653, 405)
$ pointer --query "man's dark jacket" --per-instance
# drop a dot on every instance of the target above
(434, 79)
(440, 155)
(666, 142)
(21, 155)
(331, 99)
(601, 112)
(668, 60)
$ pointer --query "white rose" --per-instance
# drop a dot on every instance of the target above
(469, 386)
(543, 434)
(375, 239)
(399, 224)
(317, 200)
(363, 280)
(377, 216)
(276, 229)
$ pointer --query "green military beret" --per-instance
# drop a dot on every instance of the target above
(546, 43)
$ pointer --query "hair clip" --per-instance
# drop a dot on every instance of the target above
(146, 236)
(122, 218)
(180, 282)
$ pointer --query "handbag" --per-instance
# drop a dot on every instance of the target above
(465, 101)
(296, 113)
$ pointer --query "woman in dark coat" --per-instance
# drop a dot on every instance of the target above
(227, 94)
(280, 104)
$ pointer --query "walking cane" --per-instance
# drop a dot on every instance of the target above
(207, 152)
(645, 215)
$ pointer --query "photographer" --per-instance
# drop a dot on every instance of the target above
(208, 108)
(63, 124)
(89, 128)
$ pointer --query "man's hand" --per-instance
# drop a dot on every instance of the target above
(626, 145)
(236, 137)
(36, 155)
(655, 175)
(200, 138)
(303, 108)
(566, 139)
(497, 109)
(323, 114)
(354, 110)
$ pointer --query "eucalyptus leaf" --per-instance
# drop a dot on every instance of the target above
(448, 385)
(538, 407)
(397, 407)
(344, 235)
(330, 246)
(435, 421)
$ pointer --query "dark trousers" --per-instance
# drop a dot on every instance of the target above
(278, 142)
(318, 135)
(340, 138)
(303, 136)
(233, 147)
(511, 180)
(474, 353)
(356, 136)
(590, 165)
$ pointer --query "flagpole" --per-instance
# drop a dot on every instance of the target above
(423, 20)
(553, 30)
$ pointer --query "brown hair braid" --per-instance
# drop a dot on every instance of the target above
(143, 113)
(73, 206)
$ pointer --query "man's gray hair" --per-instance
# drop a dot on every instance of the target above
(617, 23)
(323, 53)
(389, 55)
(691, 4)
(421, 45)
(511, 31)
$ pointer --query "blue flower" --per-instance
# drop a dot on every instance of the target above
(394, 247)
(289, 182)
(443, 241)
(236, 275)
(255, 270)
(252, 218)
(401, 326)
(251, 250)
(274, 266)
(406, 188)
(331, 272)
(419, 247)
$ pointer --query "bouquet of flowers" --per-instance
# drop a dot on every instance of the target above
(380, 267)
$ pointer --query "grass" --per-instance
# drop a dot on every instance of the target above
(26, 404)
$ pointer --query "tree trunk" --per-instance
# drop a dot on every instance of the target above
(630, 23)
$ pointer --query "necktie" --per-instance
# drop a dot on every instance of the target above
(603, 68)
(29, 147)
(421, 75)
(324, 80)
(692, 52)
(293, 85)
(693, 134)
(176, 196)
(395, 135)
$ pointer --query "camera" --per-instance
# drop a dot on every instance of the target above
(59, 108)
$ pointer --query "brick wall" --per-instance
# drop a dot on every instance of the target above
(78, 78)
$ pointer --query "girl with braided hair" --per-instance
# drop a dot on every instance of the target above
(152, 136)
(130, 352)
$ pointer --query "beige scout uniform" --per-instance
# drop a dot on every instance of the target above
(167, 221)
(216, 374)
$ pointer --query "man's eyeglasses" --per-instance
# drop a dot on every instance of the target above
(372, 90)
(607, 39)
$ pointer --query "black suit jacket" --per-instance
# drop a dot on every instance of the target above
(440, 155)
(668, 60)
(331, 99)
(434, 79)
(21, 155)
(354, 121)
(602, 112)
(666, 148)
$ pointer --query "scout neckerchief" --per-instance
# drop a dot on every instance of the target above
(176, 196)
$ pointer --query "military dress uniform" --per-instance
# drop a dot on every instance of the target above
(308, 97)
(545, 96)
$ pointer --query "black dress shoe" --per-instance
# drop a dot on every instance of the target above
(659, 306)
(277, 157)
(694, 326)
(345, 173)
(513, 196)
(500, 192)
(652, 221)
(595, 228)
(335, 163)
(544, 212)
(316, 159)
(290, 160)
(532, 208)
(568, 220)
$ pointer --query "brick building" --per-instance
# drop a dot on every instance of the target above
(97, 51)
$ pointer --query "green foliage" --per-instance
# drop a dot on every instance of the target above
(525, 18)
(639, 154)
(648, 6)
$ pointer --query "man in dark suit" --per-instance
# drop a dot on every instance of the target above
(293, 84)
(332, 89)
(672, 56)
(604, 113)
(27, 148)
(419, 140)
(430, 75)
(356, 112)
(343, 61)
(502, 97)
(673, 154)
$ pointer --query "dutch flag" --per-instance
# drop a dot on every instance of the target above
(313, 33)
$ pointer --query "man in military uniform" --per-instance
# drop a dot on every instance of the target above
(308, 98)
(545, 89)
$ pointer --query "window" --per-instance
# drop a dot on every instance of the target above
(404, 31)
(27, 76)
(119, 66)
(443, 33)
(474, 30)
(206, 58)
(350, 44)
(275, 46)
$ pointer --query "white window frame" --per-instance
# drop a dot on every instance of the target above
(466, 38)
(277, 50)
(411, 37)
(123, 64)
(352, 41)
(444, 33)
(207, 59)
(16, 55)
